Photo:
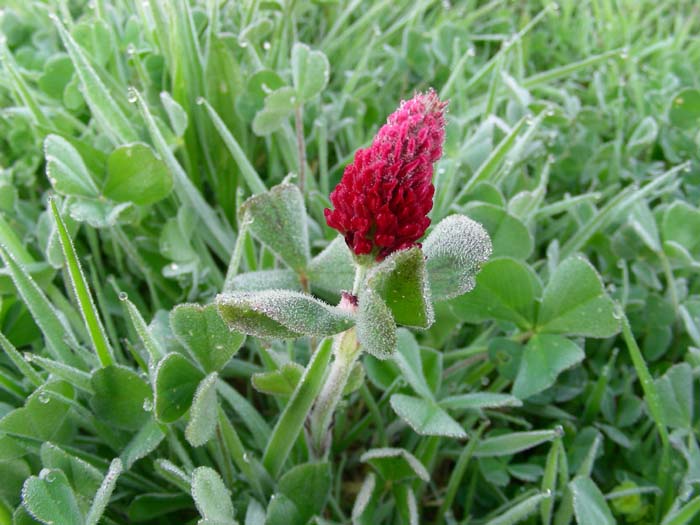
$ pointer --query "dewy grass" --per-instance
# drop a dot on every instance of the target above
(186, 340)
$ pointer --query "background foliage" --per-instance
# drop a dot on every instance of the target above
(572, 136)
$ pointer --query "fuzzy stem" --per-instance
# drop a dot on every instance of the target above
(346, 350)
(299, 125)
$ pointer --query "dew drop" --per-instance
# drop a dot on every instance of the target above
(174, 267)
(44, 397)
(243, 44)
(132, 95)
(548, 493)
(246, 457)
(471, 52)
(123, 296)
(147, 404)
(266, 45)
(624, 54)
(199, 101)
(131, 50)
(554, 7)
(28, 357)
(559, 430)
(485, 381)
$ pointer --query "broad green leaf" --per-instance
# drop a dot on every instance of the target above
(680, 224)
(203, 413)
(310, 71)
(455, 250)
(43, 416)
(282, 511)
(426, 417)
(675, 390)
(100, 213)
(66, 170)
(279, 105)
(506, 289)
(212, 498)
(575, 303)
(202, 331)
(544, 358)
(120, 394)
(49, 498)
(307, 486)
(589, 504)
(395, 464)
(278, 220)
(376, 329)
(281, 314)
(135, 174)
(509, 236)
(281, 382)
(82, 476)
(401, 281)
(281, 279)
(508, 444)
(684, 111)
(176, 380)
(332, 270)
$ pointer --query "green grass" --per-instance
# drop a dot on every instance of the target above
(132, 132)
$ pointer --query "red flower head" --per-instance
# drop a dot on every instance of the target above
(382, 201)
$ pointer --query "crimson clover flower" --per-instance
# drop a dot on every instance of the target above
(383, 199)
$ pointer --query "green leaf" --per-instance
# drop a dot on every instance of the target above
(408, 357)
(509, 236)
(82, 476)
(278, 220)
(66, 170)
(143, 443)
(575, 303)
(103, 107)
(332, 270)
(89, 312)
(310, 71)
(680, 224)
(176, 380)
(279, 105)
(265, 280)
(520, 511)
(135, 174)
(400, 280)
(376, 329)
(49, 498)
(203, 413)
(395, 464)
(100, 213)
(99, 504)
(509, 444)
(53, 325)
(202, 331)
(455, 250)
(281, 382)
(119, 397)
(426, 417)
(281, 314)
(291, 421)
(506, 289)
(282, 511)
(675, 390)
(589, 504)
(479, 400)
(684, 111)
(43, 417)
(146, 507)
(545, 357)
(307, 486)
(212, 498)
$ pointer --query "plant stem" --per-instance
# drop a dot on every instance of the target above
(299, 125)
(346, 350)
